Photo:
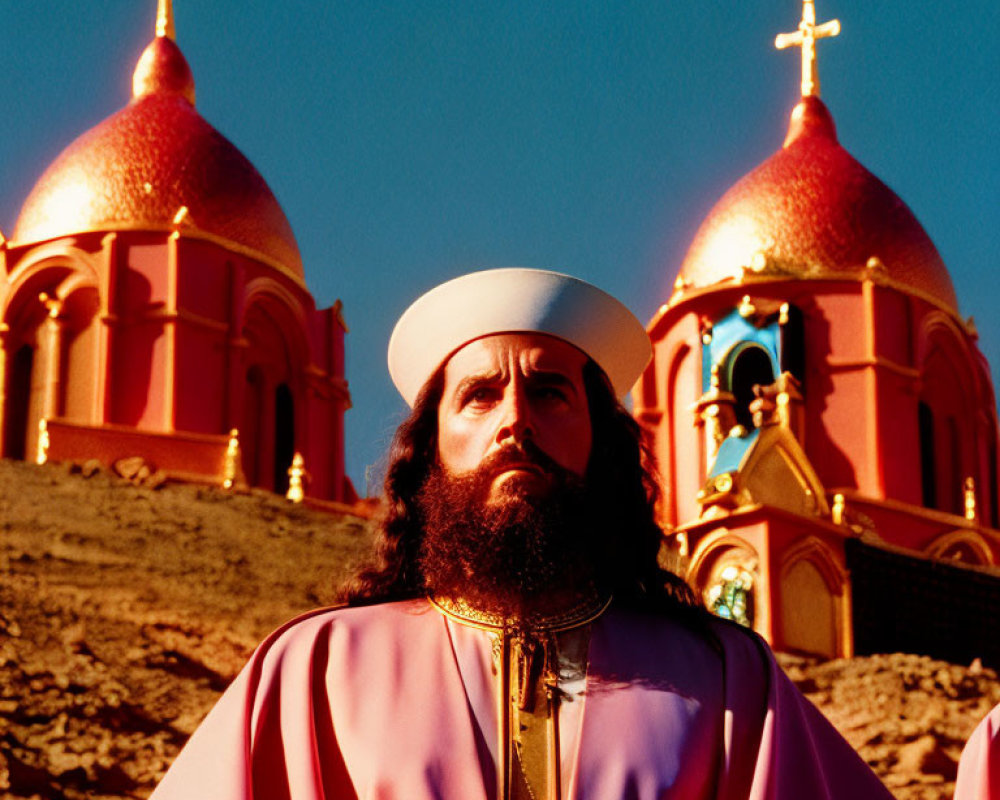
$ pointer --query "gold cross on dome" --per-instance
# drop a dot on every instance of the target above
(805, 37)
(165, 19)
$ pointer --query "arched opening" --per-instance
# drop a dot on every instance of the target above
(284, 436)
(928, 462)
(793, 345)
(751, 367)
(962, 552)
(731, 594)
(250, 429)
(19, 402)
(950, 400)
(725, 574)
(808, 610)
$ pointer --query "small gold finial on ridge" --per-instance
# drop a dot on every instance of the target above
(969, 494)
(231, 465)
(296, 476)
(165, 19)
(805, 37)
(42, 448)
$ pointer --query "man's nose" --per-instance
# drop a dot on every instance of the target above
(515, 420)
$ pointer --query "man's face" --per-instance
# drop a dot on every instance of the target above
(507, 389)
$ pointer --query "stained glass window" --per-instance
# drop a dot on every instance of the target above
(730, 595)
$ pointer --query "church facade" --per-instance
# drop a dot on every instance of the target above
(824, 423)
(153, 304)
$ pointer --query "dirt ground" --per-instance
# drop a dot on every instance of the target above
(125, 611)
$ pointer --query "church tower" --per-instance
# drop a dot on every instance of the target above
(153, 303)
(824, 422)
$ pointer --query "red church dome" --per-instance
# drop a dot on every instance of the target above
(812, 211)
(138, 168)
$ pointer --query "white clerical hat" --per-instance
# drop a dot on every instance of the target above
(516, 300)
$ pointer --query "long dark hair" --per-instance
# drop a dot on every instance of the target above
(620, 466)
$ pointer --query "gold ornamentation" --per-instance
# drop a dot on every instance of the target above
(589, 607)
(805, 37)
(53, 305)
(758, 262)
(180, 216)
(42, 454)
(232, 463)
(969, 491)
(837, 511)
(874, 264)
(714, 412)
(746, 308)
(528, 656)
(730, 594)
(296, 474)
(165, 19)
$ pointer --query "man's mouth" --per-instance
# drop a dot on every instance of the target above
(521, 467)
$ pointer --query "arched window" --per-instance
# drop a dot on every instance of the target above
(19, 402)
(730, 594)
(751, 367)
(928, 462)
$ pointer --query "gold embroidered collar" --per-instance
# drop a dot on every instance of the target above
(584, 611)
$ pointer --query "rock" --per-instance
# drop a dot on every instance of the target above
(155, 479)
(129, 467)
(90, 468)
(925, 756)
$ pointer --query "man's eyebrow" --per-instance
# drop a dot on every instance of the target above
(550, 377)
(476, 378)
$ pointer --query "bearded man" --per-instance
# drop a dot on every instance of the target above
(515, 637)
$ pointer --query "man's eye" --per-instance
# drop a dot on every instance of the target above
(481, 395)
(550, 393)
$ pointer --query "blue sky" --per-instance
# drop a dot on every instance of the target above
(411, 142)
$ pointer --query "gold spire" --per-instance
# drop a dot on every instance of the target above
(165, 19)
(805, 37)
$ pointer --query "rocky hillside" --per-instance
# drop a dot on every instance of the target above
(125, 610)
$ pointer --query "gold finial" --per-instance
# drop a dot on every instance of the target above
(715, 380)
(805, 37)
(53, 305)
(969, 490)
(296, 473)
(165, 19)
(42, 450)
(230, 468)
(837, 511)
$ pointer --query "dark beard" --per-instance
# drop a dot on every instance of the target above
(510, 555)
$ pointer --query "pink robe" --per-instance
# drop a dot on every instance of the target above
(398, 702)
(979, 767)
